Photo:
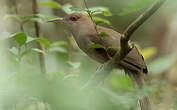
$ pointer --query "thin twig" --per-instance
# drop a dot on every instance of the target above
(37, 29)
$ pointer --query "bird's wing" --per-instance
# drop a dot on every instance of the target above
(133, 61)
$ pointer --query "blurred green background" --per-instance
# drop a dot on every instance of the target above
(24, 87)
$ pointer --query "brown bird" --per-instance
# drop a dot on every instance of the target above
(87, 34)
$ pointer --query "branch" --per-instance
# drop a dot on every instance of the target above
(142, 18)
(125, 47)
(38, 31)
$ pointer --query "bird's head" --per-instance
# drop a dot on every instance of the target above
(75, 21)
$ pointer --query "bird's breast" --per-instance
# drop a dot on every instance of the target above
(84, 44)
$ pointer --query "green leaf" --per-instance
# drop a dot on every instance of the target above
(104, 34)
(44, 41)
(33, 50)
(30, 20)
(51, 4)
(89, 12)
(99, 20)
(37, 18)
(113, 47)
(162, 64)
(77, 9)
(58, 49)
(59, 43)
(107, 13)
(30, 39)
(67, 8)
(20, 38)
(149, 52)
(98, 10)
(139, 4)
(95, 46)
(121, 81)
(74, 65)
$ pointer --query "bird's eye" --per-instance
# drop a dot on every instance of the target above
(74, 18)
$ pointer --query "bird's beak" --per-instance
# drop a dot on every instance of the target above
(57, 20)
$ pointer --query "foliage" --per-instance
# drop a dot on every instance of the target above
(51, 4)
(20, 38)
(95, 46)
(163, 63)
(23, 86)
(137, 5)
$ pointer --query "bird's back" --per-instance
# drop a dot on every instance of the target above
(133, 61)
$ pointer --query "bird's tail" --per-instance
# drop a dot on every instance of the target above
(138, 82)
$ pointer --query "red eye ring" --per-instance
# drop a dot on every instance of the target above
(74, 18)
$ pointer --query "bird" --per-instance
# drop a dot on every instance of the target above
(87, 34)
